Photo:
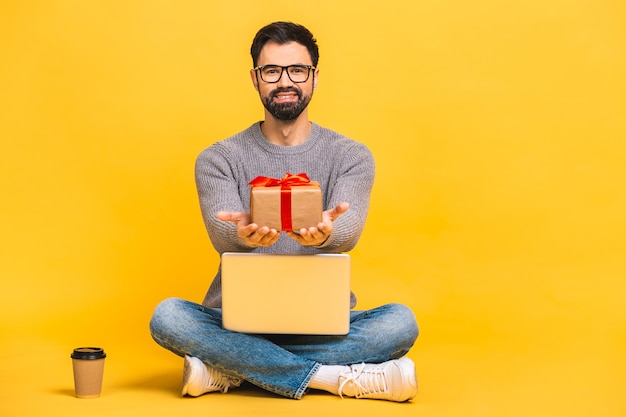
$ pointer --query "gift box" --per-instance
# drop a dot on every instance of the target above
(286, 204)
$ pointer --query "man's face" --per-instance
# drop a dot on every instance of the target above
(285, 100)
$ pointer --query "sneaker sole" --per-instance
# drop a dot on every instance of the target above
(407, 369)
(187, 371)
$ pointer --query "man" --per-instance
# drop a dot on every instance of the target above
(369, 362)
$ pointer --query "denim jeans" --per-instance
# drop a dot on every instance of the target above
(282, 364)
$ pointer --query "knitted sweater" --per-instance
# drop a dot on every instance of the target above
(343, 167)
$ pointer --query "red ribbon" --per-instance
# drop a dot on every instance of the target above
(288, 181)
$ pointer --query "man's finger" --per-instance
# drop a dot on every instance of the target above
(228, 216)
(338, 210)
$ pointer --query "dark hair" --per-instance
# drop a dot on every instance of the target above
(282, 33)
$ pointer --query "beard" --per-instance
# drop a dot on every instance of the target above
(286, 111)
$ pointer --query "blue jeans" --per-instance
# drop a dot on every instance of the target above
(282, 364)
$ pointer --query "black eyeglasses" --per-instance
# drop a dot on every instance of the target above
(298, 73)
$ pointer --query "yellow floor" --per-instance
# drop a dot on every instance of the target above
(552, 366)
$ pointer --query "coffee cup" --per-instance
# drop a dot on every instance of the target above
(88, 364)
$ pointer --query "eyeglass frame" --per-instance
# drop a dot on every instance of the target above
(259, 68)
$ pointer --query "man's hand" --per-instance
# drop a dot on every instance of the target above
(251, 233)
(315, 236)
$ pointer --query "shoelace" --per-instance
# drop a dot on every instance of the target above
(365, 382)
(221, 382)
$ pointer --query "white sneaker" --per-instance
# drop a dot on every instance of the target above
(199, 378)
(393, 381)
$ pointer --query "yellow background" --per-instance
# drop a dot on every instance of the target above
(498, 211)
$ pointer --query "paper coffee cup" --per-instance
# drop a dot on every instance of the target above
(88, 364)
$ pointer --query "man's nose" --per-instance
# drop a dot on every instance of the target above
(284, 79)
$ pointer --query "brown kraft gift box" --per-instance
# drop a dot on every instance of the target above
(291, 203)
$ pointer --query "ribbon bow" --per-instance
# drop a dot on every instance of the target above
(285, 183)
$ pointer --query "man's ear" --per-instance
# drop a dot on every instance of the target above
(255, 81)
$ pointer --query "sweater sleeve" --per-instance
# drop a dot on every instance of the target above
(218, 190)
(353, 184)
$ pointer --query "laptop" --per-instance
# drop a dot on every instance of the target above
(286, 294)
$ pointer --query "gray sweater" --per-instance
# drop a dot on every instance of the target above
(343, 167)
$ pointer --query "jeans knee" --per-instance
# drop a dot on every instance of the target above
(404, 322)
(164, 316)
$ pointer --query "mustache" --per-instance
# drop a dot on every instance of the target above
(279, 90)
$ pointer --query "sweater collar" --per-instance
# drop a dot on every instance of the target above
(309, 143)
